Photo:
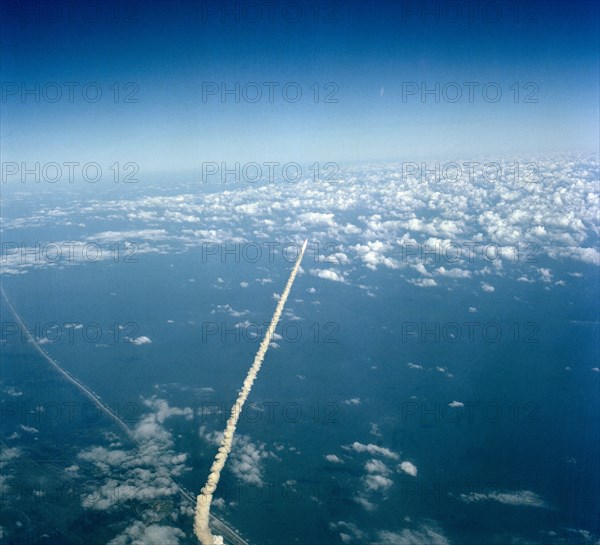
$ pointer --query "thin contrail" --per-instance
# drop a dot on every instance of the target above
(98, 402)
(204, 499)
(77, 383)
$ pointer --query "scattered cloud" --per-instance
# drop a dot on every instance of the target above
(153, 534)
(138, 341)
(372, 449)
(328, 274)
(424, 535)
(334, 459)
(424, 282)
(516, 498)
(408, 467)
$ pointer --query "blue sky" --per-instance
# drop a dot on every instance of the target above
(369, 51)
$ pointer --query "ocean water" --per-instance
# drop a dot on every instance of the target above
(366, 374)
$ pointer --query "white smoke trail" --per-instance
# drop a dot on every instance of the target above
(221, 525)
(204, 499)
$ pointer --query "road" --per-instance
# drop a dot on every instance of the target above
(219, 526)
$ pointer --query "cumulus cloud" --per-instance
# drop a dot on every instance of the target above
(317, 218)
(454, 273)
(139, 475)
(376, 483)
(372, 254)
(229, 310)
(376, 466)
(12, 391)
(424, 282)
(424, 535)
(389, 220)
(163, 410)
(153, 534)
(247, 460)
(8, 454)
(328, 274)
(545, 275)
(516, 498)
(375, 430)
(372, 449)
(334, 459)
(29, 429)
(348, 531)
(138, 341)
(409, 468)
(339, 258)
(365, 503)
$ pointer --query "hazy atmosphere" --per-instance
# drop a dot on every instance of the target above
(300, 272)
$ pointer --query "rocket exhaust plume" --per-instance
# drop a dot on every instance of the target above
(97, 401)
(204, 499)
